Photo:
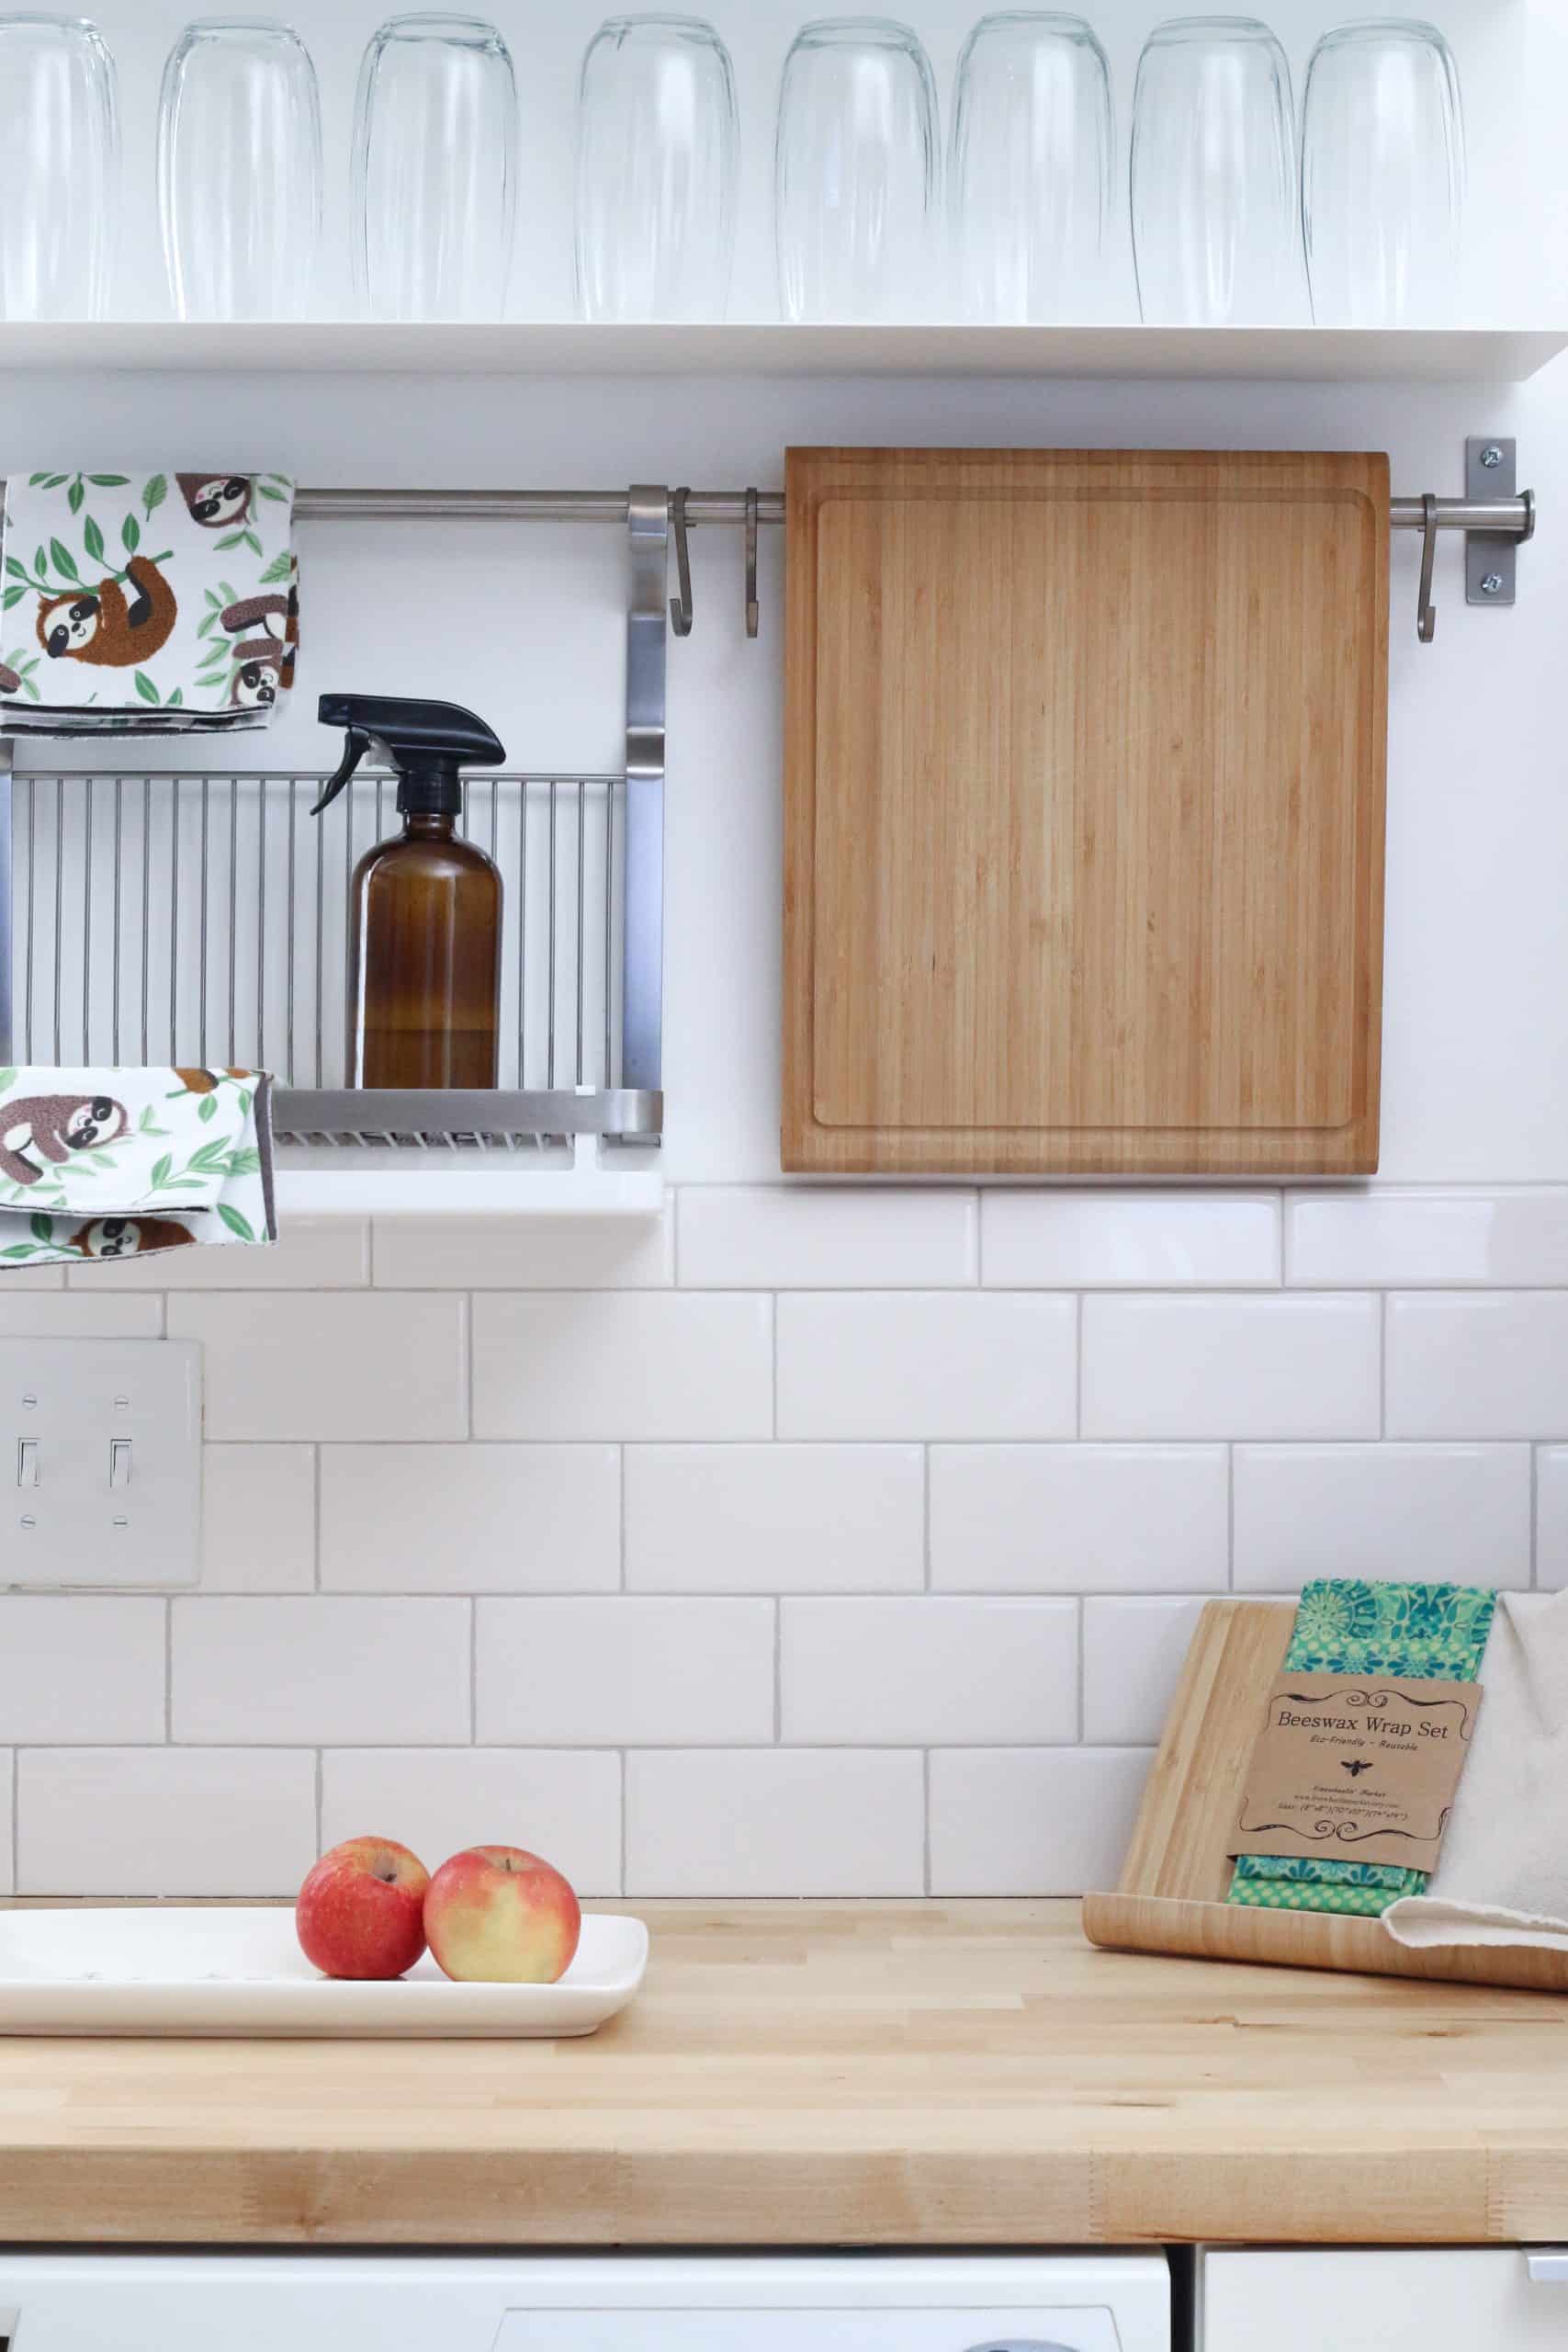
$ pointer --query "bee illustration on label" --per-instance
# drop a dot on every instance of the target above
(1354, 1765)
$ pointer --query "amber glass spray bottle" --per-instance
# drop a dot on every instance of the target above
(424, 916)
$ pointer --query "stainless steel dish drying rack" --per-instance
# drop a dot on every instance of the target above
(200, 918)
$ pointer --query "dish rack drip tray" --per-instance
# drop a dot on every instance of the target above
(201, 920)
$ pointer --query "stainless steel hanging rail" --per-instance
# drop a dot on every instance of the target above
(1494, 527)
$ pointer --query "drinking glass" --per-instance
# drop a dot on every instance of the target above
(239, 170)
(856, 171)
(1217, 231)
(435, 169)
(1382, 176)
(60, 137)
(1030, 176)
(657, 143)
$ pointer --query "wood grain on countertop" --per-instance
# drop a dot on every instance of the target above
(862, 2073)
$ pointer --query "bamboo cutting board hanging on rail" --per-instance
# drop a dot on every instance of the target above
(1084, 812)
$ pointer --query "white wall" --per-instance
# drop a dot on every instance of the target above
(815, 1543)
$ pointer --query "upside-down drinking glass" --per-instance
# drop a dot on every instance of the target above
(239, 170)
(657, 143)
(1216, 228)
(435, 169)
(856, 172)
(1382, 176)
(60, 138)
(1029, 182)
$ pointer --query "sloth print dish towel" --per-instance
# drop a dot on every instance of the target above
(147, 603)
(117, 1163)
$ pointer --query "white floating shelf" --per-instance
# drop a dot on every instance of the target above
(499, 1184)
(1287, 355)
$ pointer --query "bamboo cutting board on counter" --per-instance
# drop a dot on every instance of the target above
(1084, 773)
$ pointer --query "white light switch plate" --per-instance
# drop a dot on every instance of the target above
(100, 1462)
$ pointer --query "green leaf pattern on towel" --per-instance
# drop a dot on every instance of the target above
(173, 1176)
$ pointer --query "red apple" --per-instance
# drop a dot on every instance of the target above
(496, 1915)
(361, 1910)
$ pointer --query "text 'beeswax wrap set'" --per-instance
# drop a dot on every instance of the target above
(162, 602)
(1430, 1632)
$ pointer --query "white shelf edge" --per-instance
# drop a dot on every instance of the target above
(502, 1189)
(1325, 355)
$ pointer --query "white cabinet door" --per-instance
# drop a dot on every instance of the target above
(1417, 2301)
(330, 2302)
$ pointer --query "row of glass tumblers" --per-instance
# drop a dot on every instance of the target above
(1221, 232)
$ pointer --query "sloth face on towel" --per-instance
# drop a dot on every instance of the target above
(54, 1126)
(218, 502)
(129, 1237)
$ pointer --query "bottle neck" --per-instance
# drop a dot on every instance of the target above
(429, 825)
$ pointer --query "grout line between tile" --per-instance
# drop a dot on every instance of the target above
(1230, 1518)
(473, 1672)
(778, 1671)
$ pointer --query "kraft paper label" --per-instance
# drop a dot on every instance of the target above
(1356, 1769)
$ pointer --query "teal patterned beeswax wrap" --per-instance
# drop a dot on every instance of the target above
(1417, 1632)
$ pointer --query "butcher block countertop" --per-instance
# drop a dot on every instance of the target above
(818, 2073)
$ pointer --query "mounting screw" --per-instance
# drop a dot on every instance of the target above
(1492, 457)
(1493, 585)
(28, 1519)
(29, 1401)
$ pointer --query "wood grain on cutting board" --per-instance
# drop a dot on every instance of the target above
(1084, 781)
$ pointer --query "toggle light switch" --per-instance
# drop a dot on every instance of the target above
(26, 1462)
(119, 1461)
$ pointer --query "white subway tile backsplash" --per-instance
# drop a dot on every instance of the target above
(526, 1252)
(634, 1365)
(629, 1671)
(310, 1253)
(744, 1822)
(1133, 1652)
(96, 1315)
(335, 1366)
(8, 1818)
(769, 1625)
(1031, 1821)
(1148, 1240)
(736, 1237)
(1080, 1518)
(1551, 1517)
(1472, 1365)
(935, 1364)
(258, 1518)
(470, 1518)
(1281, 1367)
(564, 1806)
(1384, 1239)
(927, 1672)
(321, 1671)
(82, 1667)
(775, 1518)
(1457, 1513)
(162, 1821)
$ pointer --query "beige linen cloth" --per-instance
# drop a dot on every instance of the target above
(1502, 1877)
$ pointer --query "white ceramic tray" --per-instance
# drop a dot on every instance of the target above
(184, 1968)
